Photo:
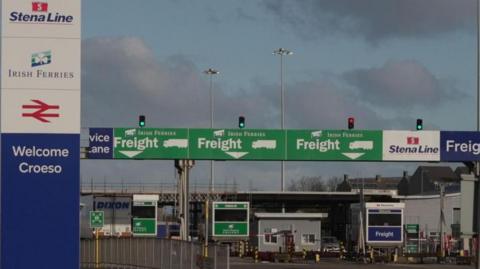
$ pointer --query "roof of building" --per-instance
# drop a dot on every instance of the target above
(438, 173)
(379, 180)
(291, 215)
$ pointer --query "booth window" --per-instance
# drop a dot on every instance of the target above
(308, 239)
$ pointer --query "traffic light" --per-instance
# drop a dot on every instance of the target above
(141, 121)
(351, 123)
(241, 122)
(419, 124)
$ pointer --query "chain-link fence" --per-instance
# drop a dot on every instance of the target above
(151, 253)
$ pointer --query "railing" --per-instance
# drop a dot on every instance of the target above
(151, 253)
(129, 188)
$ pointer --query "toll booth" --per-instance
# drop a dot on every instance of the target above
(384, 224)
(144, 215)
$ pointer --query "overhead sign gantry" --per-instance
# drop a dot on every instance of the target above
(287, 145)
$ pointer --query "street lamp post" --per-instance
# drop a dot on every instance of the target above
(211, 72)
(282, 52)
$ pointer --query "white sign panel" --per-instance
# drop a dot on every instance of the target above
(34, 111)
(33, 63)
(411, 145)
(384, 205)
(46, 19)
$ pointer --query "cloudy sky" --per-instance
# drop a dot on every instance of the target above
(385, 62)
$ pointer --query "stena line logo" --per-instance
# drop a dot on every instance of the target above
(413, 146)
(40, 14)
(39, 6)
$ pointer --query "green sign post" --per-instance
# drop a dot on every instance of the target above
(96, 219)
(333, 145)
(230, 219)
(150, 143)
(235, 144)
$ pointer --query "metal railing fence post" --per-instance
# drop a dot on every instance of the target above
(215, 256)
(170, 267)
(228, 256)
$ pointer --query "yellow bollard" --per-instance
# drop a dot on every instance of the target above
(317, 258)
(240, 251)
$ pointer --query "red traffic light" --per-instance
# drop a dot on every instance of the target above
(351, 123)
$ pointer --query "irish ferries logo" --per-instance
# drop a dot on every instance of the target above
(41, 58)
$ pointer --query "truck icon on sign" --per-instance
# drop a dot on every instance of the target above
(266, 144)
(219, 133)
(316, 134)
(130, 132)
(179, 143)
(365, 145)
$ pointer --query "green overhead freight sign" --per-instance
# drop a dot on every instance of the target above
(150, 143)
(234, 144)
(328, 145)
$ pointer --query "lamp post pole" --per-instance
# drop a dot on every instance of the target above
(211, 72)
(282, 52)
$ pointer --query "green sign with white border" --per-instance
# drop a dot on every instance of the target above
(230, 219)
(334, 145)
(97, 219)
(236, 144)
(144, 226)
(150, 143)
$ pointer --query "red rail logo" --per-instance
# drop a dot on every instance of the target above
(41, 108)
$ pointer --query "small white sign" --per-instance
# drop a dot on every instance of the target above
(411, 145)
(34, 111)
(33, 63)
(52, 18)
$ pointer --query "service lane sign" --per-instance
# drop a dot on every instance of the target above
(150, 143)
(411, 145)
(235, 144)
(334, 145)
(460, 146)
(100, 141)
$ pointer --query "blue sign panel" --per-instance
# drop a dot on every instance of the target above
(40, 200)
(384, 234)
(460, 146)
(100, 143)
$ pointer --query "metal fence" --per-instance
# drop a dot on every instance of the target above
(151, 253)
